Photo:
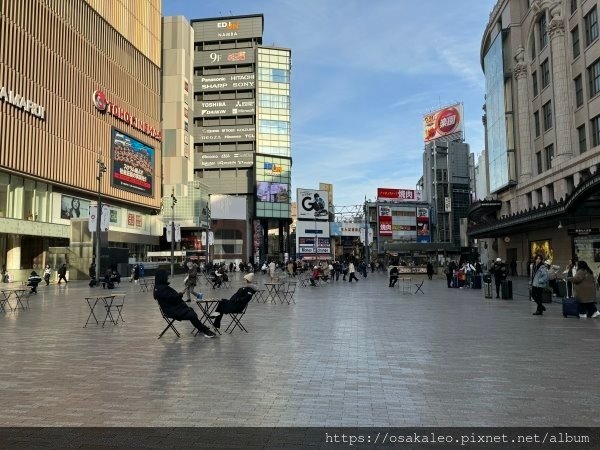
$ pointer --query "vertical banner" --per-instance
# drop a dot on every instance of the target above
(104, 220)
(385, 221)
(423, 233)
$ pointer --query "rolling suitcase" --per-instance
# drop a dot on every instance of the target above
(506, 289)
(570, 307)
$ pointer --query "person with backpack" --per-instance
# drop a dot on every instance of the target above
(585, 291)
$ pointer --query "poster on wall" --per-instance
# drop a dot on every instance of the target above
(543, 248)
(132, 164)
(312, 204)
(423, 233)
(73, 208)
(385, 221)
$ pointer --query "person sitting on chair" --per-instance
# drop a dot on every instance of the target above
(236, 303)
(393, 275)
(216, 279)
(316, 275)
(33, 281)
(172, 304)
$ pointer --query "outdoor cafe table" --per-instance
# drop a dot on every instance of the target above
(207, 307)
(273, 291)
(107, 301)
(19, 294)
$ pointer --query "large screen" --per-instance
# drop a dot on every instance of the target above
(133, 164)
(267, 191)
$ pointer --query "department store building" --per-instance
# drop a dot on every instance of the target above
(79, 83)
(541, 60)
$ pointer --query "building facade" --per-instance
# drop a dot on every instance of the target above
(242, 135)
(79, 85)
(541, 60)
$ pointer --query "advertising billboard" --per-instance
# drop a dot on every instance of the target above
(398, 195)
(423, 226)
(73, 207)
(239, 133)
(312, 204)
(385, 220)
(227, 107)
(313, 240)
(226, 82)
(225, 57)
(443, 122)
(132, 164)
(223, 159)
(234, 28)
(270, 192)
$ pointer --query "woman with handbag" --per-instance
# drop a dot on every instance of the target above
(585, 290)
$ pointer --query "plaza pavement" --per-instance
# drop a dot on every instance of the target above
(359, 354)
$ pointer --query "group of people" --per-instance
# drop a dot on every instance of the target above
(35, 279)
(581, 284)
(462, 274)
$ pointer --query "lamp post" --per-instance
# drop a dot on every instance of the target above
(173, 202)
(101, 171)
(366, 231)
(206, 212)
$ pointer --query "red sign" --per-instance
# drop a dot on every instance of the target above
(385, 226)
(103, 105)
(398, 195)
(443, 122)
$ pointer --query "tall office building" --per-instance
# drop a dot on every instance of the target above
(242, 135)
(79, 83)
(541, 60)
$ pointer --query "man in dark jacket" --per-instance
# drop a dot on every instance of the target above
(500, 271)
(62, 273)
(172, 304)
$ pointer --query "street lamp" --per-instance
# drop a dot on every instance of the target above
(173, 202)
(206, 212)
(101, 171)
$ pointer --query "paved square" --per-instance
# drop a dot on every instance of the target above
(359, 354)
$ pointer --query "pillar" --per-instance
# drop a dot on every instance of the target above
(525, 154)
(13, 253)
(562, 105)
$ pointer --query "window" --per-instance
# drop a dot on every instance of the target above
(543, 31)
(273, 127)
(591, 26)
(532, 46)
(595, 131)
(575, 40)
(547, 112)
(538, 157)
(536, 119)
(594, 77)
(582, 139)
(529, 200)
(573, 6)
(545, 73)
(578, 91)
(535, 83)
(274, 101)
(549, 154)
(273, 75)
(550, 191)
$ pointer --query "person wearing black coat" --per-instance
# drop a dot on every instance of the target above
(500, 271)
(33, 281)
(429, 270)
(393, 275)
(172, 304)
(62, 273)
(236, 303)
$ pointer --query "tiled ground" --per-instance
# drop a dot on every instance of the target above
(345, 355)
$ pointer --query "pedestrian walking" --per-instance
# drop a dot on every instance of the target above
(585, 290)
(190, 281)
(47, 274)
(500, 273)
(62, 273)
(429, 270)
(538, 282)
(352, 272)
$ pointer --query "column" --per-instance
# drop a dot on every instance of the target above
(13, 254)
(562, 110)
(525, 154)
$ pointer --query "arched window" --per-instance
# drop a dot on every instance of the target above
(542, 26)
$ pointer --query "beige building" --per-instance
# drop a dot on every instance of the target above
(79, 83)
(541, 60)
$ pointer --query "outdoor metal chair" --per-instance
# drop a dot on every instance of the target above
(419, 286)
(236, 321)
(288, 294)
(169, 322)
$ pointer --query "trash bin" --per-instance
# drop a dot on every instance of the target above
(506, 289)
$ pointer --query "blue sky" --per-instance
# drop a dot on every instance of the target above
(364, 72)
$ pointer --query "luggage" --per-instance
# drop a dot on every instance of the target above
(570, 307)
(506, 290)
(488, 290)
(562, 288)
(477, 282)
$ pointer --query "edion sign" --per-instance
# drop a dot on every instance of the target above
(443, 122)
(103, 105)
